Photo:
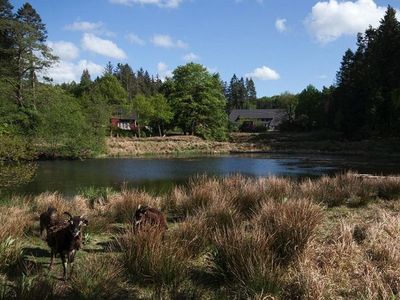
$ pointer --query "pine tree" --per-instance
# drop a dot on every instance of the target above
(30, 54)
(251, 93)
(6, 39)
(108, 69)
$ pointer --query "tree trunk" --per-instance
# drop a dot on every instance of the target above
(159, 129)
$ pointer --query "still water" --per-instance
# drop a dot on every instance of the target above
(159, 175)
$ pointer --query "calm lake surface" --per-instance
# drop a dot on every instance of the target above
(159, 175)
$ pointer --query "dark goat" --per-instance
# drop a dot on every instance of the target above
(65, 239)
(152, 217)
(48, 219)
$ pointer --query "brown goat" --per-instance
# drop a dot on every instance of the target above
(48, 219)
(147, 217)
(65, 239)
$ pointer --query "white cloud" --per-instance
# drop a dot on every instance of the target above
(280, 25)
(101, 46)
(331, 19)
(64, 71)
(84, 26)
(135, 39)
(263, 73)
(163, 71)
(165, 41)
(94, 27)
(159, 3)
(191, 57)
(64, 50)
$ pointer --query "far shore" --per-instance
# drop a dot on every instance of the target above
(242, 143)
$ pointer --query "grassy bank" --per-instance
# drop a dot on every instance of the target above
(274, 238)
(271, 142)
(177, 145)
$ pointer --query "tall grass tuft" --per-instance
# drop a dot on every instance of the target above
(10, 254)
(343, 189)
(97, 277)
(34, 287)
(243, 260)
(153, 259)
(122, 207)
(289, 226)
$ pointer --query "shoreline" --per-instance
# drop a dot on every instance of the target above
(268, 143)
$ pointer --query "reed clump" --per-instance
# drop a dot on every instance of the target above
(152, 258)
(97, 277)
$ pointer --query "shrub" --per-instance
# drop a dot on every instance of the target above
(289, 226)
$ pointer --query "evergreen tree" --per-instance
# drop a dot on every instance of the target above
(31, 54)
(127, 78)
(251, 93)
(6, 40)
(108, 69)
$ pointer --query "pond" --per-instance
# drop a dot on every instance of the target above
(159, 175)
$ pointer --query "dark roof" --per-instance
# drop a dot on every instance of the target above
(277, 115)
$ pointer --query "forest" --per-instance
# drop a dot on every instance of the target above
(40, 119)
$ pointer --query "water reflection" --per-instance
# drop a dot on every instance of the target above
(159, 175)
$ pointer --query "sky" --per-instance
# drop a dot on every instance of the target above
(284, 45)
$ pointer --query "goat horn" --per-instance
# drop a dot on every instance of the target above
(68, 214)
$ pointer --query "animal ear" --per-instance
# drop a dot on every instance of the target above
(68, 214)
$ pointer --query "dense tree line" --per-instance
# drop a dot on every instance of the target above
(365, 100)
(367, 97)
(73, 119)
(38, 118)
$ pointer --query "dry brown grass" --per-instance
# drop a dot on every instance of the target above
(341, 267)
(76, 206)
(243, 260)
(151, 258)
(122, 207)
(290, 225)
(97, 277)
(124, 147)
(15, 221)
(328, 238)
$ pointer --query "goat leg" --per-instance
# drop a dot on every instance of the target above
(51, 260)
(71, 258)
(65, 265)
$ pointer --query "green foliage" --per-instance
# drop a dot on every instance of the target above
(311, 108)
(63, 130)
(365, 100)
(197, 99)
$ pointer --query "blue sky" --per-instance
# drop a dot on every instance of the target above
(284, 45)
